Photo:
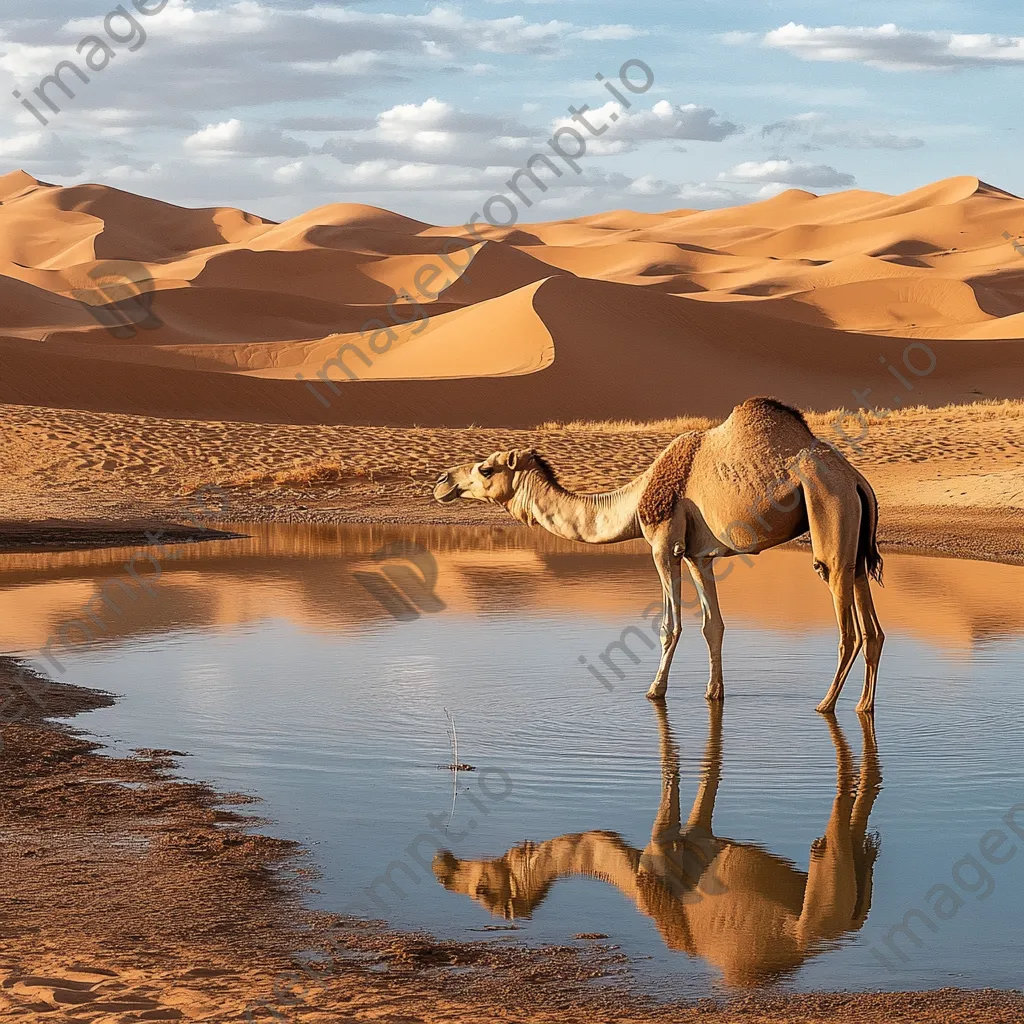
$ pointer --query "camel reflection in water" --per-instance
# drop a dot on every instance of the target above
(753, 915)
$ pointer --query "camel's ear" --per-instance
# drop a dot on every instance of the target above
(519, 457)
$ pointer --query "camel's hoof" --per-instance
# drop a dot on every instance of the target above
(653, 694)
(714, 696)
(825, 708)
(865, 709)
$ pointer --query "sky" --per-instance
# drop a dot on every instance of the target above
(428, 109)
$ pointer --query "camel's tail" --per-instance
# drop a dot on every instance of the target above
(868, 557)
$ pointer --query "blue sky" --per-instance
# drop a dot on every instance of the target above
(428, 109)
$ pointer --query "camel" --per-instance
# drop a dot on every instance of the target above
(753, 915)
(759, 479)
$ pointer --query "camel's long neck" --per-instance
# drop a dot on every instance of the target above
(602, 855)
(592, 518)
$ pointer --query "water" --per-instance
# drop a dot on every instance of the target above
(274, 662)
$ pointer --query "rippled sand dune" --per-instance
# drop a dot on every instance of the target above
(620, 314)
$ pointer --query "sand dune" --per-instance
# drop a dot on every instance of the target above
(619, 314)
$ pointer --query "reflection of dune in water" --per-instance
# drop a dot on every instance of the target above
(305, 574)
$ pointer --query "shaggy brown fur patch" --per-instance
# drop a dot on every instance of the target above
(668, 479)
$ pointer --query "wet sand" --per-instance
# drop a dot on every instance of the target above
(71, 535)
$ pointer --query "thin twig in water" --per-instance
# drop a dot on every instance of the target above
(453, 738)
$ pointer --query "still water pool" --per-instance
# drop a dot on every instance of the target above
(762, 845)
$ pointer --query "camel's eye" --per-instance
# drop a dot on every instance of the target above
(486, 471)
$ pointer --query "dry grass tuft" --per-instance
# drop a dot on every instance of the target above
(320, 473)
(975, 412)
(675, 425)
(971, 412)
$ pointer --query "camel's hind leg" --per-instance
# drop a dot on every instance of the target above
(874, 638)
(841, 585)
(835, 530)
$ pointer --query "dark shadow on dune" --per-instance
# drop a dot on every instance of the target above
(908, 247)
(999, 294)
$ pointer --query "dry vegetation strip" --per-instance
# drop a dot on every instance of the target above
(974, 412)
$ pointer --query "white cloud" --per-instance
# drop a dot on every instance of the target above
(787, 172)
(648, 185)
(234, 138)
(129, 175)
(299, 173)
(235, 181)
(325, 123)
(45, 152)
(668, 120)
(896, 49)
(622, 131)
(605, 33)
(434, 49)
(436, 132)
(362, 62)
(393, 174)
(704, 195)
(813, 130)
(249, 53)
(429, 109)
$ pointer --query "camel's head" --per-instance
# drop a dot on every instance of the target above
(493, 479)
(498, 884)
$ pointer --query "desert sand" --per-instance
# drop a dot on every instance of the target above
(798, 296)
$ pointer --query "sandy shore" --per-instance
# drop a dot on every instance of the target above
(949, 481)
(131, 895)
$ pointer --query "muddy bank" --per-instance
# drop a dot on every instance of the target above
(948, 481)
(982, 534)
(132, 895)
(71, 535)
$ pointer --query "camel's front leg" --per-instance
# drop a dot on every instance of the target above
(668, 568)
(714, 627)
